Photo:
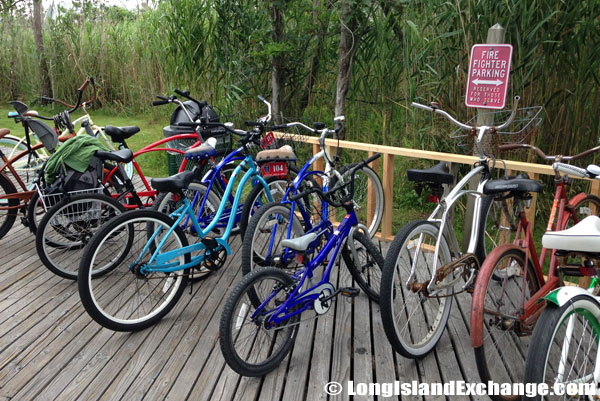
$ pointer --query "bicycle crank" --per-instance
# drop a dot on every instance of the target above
(215, 255)
(464, 268)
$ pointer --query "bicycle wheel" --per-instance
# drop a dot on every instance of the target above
(7, 216)
(366, 178)
(589, 205)
(35, 212)
(258, 197)
(261, 245)
(414, 322)
(366, 271)
(126, 297)
(250, 348)
(498, 299)
(68, 227)
(564, 346)
(25, 166)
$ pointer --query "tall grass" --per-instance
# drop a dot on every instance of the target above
(221, 50)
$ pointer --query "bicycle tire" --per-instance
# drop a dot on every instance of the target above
(260, 245)
(360, 198)
(35, 212)
(542, 364)
(123, 298)
(498, 341)
(367, 272)
(7, 217)
(231, 323)
(68, 226)
(413, 339)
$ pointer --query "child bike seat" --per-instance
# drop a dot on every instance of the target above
(582, 237)
(299, 244)
(518, 184)
(438, 174)
(121, 156)
(119, 134)
(204, 151)
(174, 182)
(284, 153)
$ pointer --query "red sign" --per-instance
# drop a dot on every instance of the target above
(488, 76)
(267, 140)
(274, 169)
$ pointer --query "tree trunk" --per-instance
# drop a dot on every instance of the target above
(46, 86)
(318, 53)
(278, 63)
(348, 44)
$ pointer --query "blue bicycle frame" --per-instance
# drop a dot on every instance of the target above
(166, 262)
(297, 302)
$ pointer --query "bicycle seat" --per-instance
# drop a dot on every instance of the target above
(300, 243)
(4, 132)
(518, 184)
(119, 134)
(582, 237)
(174, 182)
(438, 174)
(204, 151)
(121, 156)
(284, 153)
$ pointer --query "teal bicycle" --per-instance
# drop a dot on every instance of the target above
(136, 266)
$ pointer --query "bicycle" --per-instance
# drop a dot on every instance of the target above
(564, 343)
(425, 267)
(508, 293)
(141, 258)
(264, 309)
(274, 222)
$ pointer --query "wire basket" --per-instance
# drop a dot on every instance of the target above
(527, 120)
(50, 199)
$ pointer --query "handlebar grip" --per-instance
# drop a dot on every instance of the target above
(91, 79)
(180, 93)
(276, 127)
(262, 99)
(572, 170)
(372, 158)
(294, 198)
(188, 124)
(252, 124)
(159, 102)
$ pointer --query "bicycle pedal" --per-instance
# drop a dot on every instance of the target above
(350, 292)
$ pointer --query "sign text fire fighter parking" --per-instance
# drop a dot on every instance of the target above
(488, 76)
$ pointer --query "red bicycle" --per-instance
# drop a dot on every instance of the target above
(509, 290)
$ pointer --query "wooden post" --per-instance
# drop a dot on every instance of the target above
(530, 213)
(371, 192)
(388, 191)
(484, 117)
(332, 151)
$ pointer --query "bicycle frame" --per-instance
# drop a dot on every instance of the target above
(304, 299)
(444, 207)
(160, 262)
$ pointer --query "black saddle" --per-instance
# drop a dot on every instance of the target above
(119, 134)
(438, 174)
(520, 184)
(173, 183)
(121, 156)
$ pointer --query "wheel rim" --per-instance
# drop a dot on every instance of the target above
(70, 228)
(571, 359)
(122, 296)
(251, 341)
(505, 340)
(418, 320)
(271, 229)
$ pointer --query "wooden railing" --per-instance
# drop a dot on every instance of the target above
(390, 152)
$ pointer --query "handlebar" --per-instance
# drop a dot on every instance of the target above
(540, 153)
(572, 170)
(326, 196)
(434, 108)
(72, 108)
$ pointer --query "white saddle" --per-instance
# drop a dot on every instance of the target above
(582, 237)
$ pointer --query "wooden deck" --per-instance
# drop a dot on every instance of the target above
(50, 349)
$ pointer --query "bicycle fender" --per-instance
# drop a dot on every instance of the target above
(561, 296)
(477, 305)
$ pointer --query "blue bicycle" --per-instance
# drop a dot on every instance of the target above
(136, 266)
(262, 313)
